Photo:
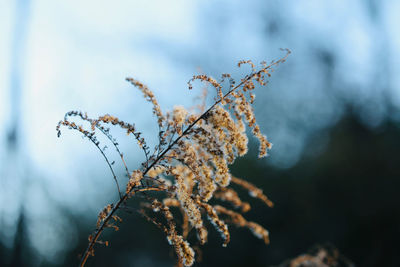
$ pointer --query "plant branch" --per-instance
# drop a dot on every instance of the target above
(124, 198)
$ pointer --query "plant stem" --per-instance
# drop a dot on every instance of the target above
(160, 156)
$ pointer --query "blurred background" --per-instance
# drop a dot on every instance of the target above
(331, 111)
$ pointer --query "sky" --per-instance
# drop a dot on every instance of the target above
(75, 55)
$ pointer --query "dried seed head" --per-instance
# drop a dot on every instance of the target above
(156, 171)
(185, 252)
(217, 222)
(253, 190)
(188, 204)
(179, 117)
(197, 158)
(148, 94)
(134, 180)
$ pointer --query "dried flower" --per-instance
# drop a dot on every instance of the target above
(190, 164)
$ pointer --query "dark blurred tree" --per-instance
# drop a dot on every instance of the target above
(20, 253)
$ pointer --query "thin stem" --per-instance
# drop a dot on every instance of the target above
(109, 165)
(115, 145)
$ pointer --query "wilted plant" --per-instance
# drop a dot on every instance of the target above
(189, 165)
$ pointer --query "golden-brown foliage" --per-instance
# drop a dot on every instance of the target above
(190, 165)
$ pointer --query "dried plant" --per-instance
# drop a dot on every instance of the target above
(325, 255)
(189, 165)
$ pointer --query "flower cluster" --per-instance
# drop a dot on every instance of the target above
(190, 164)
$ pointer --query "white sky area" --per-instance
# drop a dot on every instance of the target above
(78, 54)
